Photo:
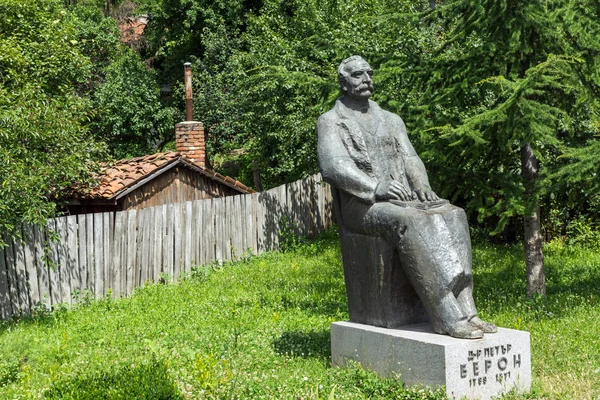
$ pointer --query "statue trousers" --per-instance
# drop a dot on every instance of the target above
(434, 248)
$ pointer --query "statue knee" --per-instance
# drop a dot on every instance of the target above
(461, 282)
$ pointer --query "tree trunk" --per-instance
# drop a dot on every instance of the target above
(256, 176)
(534, 258)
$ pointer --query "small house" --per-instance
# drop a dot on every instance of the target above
(157, 179)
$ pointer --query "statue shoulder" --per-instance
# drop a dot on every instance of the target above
(393, 118)
(328, 120)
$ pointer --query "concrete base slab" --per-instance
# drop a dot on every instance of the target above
(471, 368)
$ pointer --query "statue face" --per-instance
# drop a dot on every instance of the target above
(358, 82)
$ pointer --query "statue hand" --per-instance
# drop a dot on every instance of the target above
(426, 194)
(392, 190)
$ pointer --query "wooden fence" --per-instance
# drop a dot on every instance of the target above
(119, 251)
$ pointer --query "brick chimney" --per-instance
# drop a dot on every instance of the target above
(189, 139)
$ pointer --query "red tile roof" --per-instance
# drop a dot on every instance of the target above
(117, 177)
(132, 29)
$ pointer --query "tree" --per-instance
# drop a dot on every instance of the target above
(286, 74)
(129, 115)
(44, 145)
(185, 30)
(498, 101)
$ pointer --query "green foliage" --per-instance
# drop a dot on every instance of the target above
(9, 371)
(289, 78)
(149, 381)
(98, 40)
(265, 70)
(130, 117)
(39, 46)
(200, 29)
(582, 231)
(44, 144)
(500, 75)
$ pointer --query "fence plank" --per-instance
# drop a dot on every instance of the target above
(292, 201)
(305, 217)
(30, 262)
(91, 257)
(53, 263)
(261, 223)
(196, 234)
(72, 256)
(142, 240)
(228, 224)
(11, 275)
(132, 250)
(123, 245)
(146, 265)
(158, 242)
(116, 264)
(224, 239)
(245, 234)
(5, 304)
(208, 231)
(237, 232)
(317, 202)
(98, 243)
(64, 281)
(168, 243)
(272, 210)
(21, 273)
(253, 216)
(304, 209)
(41, 264)
(188, 254)
(216, 211)
(234, 230)
(275, 217)
(167, 247)
(194, 228)
(63, 273)
(177, 255)
(82, 253)
(108, 221)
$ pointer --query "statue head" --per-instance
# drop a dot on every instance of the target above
(355, 78)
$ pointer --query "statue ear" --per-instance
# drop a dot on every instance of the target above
(343, 84)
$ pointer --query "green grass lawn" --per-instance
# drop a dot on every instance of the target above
(259, 328)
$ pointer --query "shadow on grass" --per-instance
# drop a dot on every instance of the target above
(146, 381)
(304, 344)
(324, 300)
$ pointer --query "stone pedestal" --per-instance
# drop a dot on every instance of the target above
(471, 368)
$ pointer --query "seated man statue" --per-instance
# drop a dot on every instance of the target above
(364, 153)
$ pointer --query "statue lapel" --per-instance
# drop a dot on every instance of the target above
(352, 137)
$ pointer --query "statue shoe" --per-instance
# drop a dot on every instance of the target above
(464, 330)
(486, 327)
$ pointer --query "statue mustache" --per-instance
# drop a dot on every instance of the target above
(364, 86)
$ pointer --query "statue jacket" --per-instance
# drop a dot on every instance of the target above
(355, 157)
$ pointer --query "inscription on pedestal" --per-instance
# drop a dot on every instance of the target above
(496, 363)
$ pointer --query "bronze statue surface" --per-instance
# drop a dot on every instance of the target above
(365, 154)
